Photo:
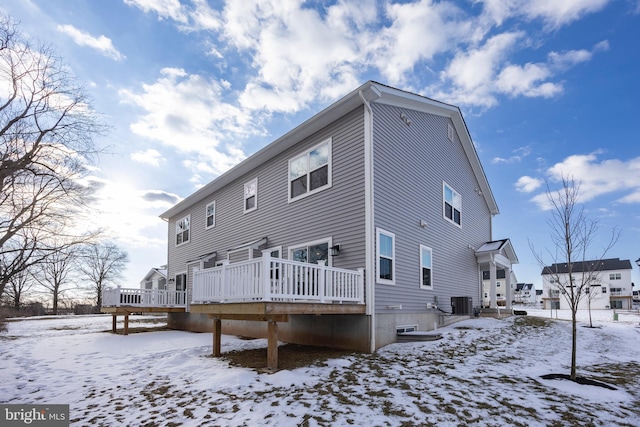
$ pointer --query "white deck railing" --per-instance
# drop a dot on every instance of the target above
(133, 297)
(275, 279)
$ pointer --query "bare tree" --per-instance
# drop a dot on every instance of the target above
(54, 274)
(594, 290)
(572, 233)
(18, 286)
(46, 131)
(102, 263)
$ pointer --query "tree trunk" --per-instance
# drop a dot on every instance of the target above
(574, 342)
(55, 303)
(99, 296)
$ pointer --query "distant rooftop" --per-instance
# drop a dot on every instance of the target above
(587, 266)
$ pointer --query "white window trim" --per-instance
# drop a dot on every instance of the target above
(276, 248)
(328, 241)
(444, 212)
(206, 208)
(404, 328)
(175, 279)
(380, 231)
(328, 141)
(188, 217)
(244, 194)
(422, 286)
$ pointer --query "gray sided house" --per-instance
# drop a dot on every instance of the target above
(372, 217)
(156, 278)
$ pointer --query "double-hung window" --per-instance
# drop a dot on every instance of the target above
(311, 252)
(615, 276)
(426, 267)
(452, 204)
(210, 214)
(183, 227)
(251, 195)
(386, 256)
(310, 172)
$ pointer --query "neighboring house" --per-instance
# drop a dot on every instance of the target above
(156, 278)
(608, 284)
(505, 289)
(359, 223)
(525, 293)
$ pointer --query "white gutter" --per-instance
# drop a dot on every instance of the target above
(368, 219)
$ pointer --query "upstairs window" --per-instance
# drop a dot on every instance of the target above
(251, 196)
(386, 254)
(452, 204)
(310, 172)
(183, 227)
(210, 214)
(425, 267)
(615, 276)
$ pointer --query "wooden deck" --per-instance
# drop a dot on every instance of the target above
(270, 312)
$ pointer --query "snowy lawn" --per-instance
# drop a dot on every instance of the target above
(483, 372)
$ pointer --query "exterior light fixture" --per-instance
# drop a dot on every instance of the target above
(171, 281)
(335, 250)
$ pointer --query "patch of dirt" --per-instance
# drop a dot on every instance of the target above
(120, 330)
(290, 356)
(578, 380)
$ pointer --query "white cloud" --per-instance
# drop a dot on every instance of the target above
(598, 178)
(517, 155)
(171, 9)
(187, 112)
(141, 225)
(149, 156)
(299, 56)
(102, 43)
(570, 58)
(554, 13)
(477, 76)
(418, 31)
(527, 80)
(527, 184)
(473, 72)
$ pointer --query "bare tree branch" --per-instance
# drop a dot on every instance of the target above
(572, 233)
(47, 127)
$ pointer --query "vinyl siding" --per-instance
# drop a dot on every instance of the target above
(410, 164)
(336, 213)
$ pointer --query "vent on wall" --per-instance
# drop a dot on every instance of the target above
(450, 133)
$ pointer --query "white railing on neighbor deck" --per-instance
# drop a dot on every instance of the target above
(133, 297)
(275, 279)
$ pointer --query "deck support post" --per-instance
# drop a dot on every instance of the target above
(126, 324)
(113, 323)
(217, 332)
(272, 345)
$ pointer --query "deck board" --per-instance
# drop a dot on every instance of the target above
(266, 310)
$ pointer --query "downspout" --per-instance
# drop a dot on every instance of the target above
(369, 223)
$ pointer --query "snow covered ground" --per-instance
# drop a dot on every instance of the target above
(484, 372)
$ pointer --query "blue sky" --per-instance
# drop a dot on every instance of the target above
(191, 87)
